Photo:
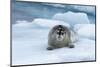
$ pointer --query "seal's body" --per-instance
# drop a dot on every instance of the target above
(59, 36)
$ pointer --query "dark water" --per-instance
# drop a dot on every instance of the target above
(31, 10)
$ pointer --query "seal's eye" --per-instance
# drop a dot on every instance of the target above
(62, 33)
(58, 31)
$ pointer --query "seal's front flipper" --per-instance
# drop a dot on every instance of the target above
(71, 46)
(50, 48)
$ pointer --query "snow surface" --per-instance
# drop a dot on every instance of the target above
(29, 43)
(86, 30)
(72, 18)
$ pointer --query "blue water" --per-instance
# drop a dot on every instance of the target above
(31, 10)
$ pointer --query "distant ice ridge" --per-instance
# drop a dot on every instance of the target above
(72, 18)
(68, 19)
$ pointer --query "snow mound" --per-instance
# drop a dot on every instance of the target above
(49, 23)
(22, 23)
(72, 18)
(85, 30)
(39, 23)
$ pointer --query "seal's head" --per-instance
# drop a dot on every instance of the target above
(60, 33)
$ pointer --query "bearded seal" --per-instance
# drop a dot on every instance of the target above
(59, 36)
